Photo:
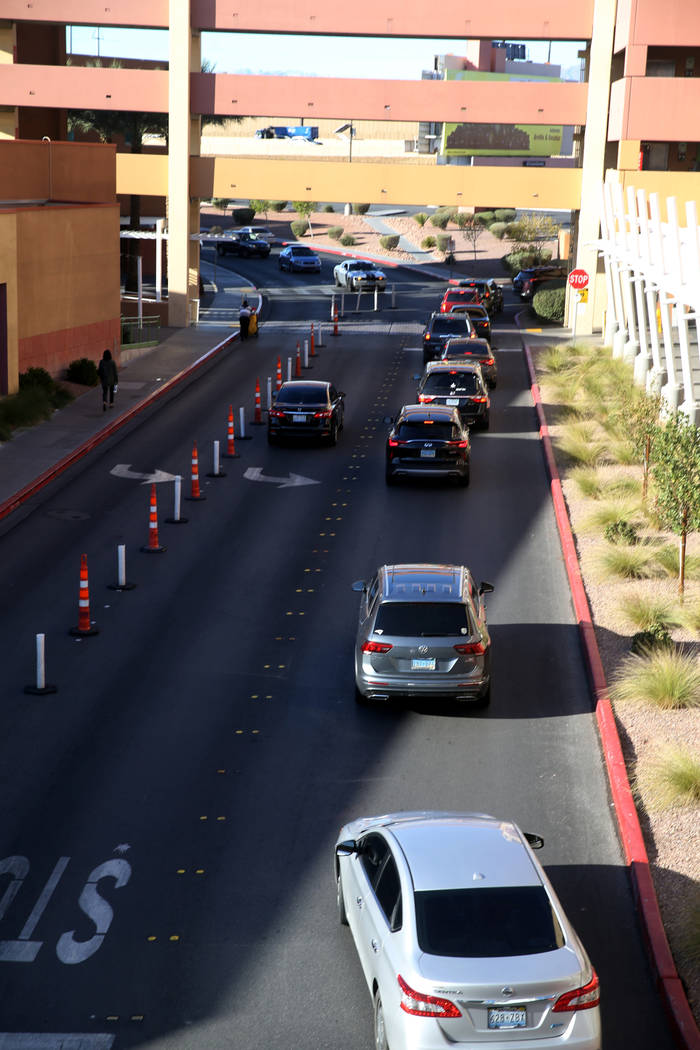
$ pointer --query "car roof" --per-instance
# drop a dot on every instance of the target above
(464, 851)
(309, 383)
(476, 345)
(422, 582)
(453, 366)
(419, 413)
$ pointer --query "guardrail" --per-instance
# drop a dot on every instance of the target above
(140, 334)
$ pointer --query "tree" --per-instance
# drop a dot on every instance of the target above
(261, 207)
(640, 412)
(304, 210)
(471, 228)
(676, 474)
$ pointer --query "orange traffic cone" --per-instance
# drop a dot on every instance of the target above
(85, 626)
(230, 452)
(278, 383)
(258, 404)
(195, 494)
(335, 321)
(153, 547)
(312, 352)
(297, 367)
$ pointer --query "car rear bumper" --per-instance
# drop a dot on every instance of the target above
(432, 685)
(301, 431)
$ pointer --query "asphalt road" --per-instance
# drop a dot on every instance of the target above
(168, 816)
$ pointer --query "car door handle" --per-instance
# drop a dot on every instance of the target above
(359, 901)
(375, 945)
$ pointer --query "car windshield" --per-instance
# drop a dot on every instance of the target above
(451, 382)
(298, 394)
(361, 266)
(427, 431)
(487, 923)
(302, 251)
(423, 619)
(449, 325)
(463, 351)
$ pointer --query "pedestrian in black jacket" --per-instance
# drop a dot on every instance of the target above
(107, 371)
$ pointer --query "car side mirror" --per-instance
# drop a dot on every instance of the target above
(346, 848)
(359, 585)
(341, 393)
(535, 841)
(485, 587)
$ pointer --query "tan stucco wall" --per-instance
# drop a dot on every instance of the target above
(58, 171)
(8, 276)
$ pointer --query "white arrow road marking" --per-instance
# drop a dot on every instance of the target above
(256, 474)
(123, 470)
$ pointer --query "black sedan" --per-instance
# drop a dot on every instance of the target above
(473, 350)
(244, 244)
(460, 385)
(479, 317)
(306, 409)
(428, 441)
(440, 328)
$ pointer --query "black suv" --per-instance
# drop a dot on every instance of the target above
(428, 441)
(439, 329)
(243, 244)
(305, 408)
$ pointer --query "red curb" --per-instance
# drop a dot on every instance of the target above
(63, 464)
(668, 982)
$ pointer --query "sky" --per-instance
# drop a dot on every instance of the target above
(369, 57)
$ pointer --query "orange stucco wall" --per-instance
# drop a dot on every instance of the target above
(674, 22)
(57, 171)
(8, 277)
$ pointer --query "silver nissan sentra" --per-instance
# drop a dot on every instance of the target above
(461, 937)
(422, 632)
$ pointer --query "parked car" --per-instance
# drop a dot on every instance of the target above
(489, 291)
(299, 257)
(532, 284)
(422, 632)
(461, 937)
(478, 350)
(358, 275)
(428, 441)
(243, 244)
(550, 271)
(460, 385)
(257, 231)
(453, 296)
(305, 408)
(440, 328)
(478, 315)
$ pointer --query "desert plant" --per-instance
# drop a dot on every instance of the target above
(672, 778)
(646, 613)
(588, 481)
(260, 207)
(360, 209)
(641, 412)
(504, 214)
(623, 452)
(621, 531)
(299, 227)
(579, 444)
(444, 242)
(471, 229)
(389, 241)
(484, 217)
(38, 398)
(83, 371)
(328, 208)
(221, 203)
(626, 563)
(676, 475)
(441, 217)
(498, 229)
(36, 377)
(347, 240)
(304, 210)
(548, 301)
(421, 218)
(278, 205)
(654, 637)
(555, 358)
(608, 511)
(428, 243)
(243, 216)
(335, 232)
(669, 558)
(690, 617)
(666, 678)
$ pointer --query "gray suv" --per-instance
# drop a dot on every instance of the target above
(422, 632)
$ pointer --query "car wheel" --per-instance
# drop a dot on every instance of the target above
(389, 477)
(333, 436)
(342, 914)
(380, 1040)
(337, 282)
(485, 422)
(360, 698)
(464, 479)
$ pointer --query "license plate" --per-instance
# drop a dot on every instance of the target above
(423, 665)
(427, 453)
(512, 1017)
(297, 418)
(452, 400)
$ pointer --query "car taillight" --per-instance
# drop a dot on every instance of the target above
(584, 998)
(376, 647)
(487, 361)
(276, 413)
(479, 400)
(458, 444)
(471, 649)
(421, 1005)
(323, 415)
(425, 399)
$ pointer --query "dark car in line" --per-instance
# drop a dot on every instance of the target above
(546, 272)
(489, 291)
(441, 327)
(245, 244)
(453, 296)
(460, 385)
(299, 257)
(479, 317)
(304, 408)
(473, 350)
(428, 441)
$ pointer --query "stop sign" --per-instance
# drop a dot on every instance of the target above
(578, 279)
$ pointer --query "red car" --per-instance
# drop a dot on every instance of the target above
(458, 296)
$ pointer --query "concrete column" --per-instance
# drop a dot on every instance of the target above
(9, 118)
(594, 151)
(180, 48)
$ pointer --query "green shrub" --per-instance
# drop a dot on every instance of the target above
(278, 205)
(672, 778)
(443, 242)
(441, 217)
(38, 398)
(514, 231)
(504, 214)
(646, 613)
(36, 377)
(421, 218)
(668, 558)
(243, 216)
(654, 637)
(390, 242)
(299, 227)
(498, 229)
(485, 217)
(328, 208)
(347, 240)
(83, 371)
(621, 531)
(335, 232)
(667, 678)
(548, 301)
(626, 563)
(360, 209)
(428, 242)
